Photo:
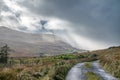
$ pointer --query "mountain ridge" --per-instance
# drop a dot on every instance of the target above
(29, 45)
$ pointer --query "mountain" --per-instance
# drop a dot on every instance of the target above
(31, 45)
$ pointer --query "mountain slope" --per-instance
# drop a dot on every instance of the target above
(28, 44)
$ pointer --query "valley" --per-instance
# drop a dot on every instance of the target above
(58, 67)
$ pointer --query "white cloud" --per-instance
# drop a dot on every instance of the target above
(13, 5)
(56, 24)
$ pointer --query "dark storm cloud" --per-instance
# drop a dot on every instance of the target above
(99, 18)
(96, 19)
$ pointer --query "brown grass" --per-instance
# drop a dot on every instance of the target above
(110, 60)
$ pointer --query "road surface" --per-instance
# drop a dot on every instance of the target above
(78, 72)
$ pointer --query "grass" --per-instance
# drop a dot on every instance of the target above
(88, 65)
(92, 76)
(57, 67)
(45, 68)
(110, 60)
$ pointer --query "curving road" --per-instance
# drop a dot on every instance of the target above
(78, 72)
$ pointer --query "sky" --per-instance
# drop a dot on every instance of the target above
(85, 24)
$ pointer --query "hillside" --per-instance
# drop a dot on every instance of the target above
(30, 45)
(57, 67)
(110, 59)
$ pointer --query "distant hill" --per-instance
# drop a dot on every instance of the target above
(30, 45)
